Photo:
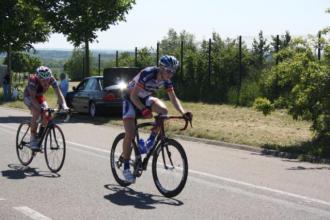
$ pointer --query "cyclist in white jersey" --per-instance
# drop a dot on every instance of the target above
(140, 100)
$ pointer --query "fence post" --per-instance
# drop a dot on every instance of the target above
(99, 64)
(181, 64)
(277, 48)
(157, 54)
(319, 47)
(117, 58)
(136, 51)
(240, 69)
(209, 64)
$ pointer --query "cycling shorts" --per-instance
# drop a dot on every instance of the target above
(130, 111)
(41, 100)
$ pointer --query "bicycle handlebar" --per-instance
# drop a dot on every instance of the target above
(59, 112)
(166, 117)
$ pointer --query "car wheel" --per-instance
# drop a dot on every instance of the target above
(92, 109)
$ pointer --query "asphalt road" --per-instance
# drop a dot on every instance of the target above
(223, 183)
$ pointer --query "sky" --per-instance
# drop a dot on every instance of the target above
(150, 20)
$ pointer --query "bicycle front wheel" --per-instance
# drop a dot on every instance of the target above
(170, 168)
(24, 153)
(55, 149)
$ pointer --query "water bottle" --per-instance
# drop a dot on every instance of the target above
(142, 147)
(150, 142)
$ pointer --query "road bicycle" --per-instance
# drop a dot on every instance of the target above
(169, 163)
(51, 141)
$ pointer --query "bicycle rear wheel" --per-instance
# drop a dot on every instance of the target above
(170, 168)
(117, 160)
(24, 153)
(55, 149)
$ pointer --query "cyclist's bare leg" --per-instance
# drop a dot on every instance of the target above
(129, 126)
(158, 106)
(35, 115)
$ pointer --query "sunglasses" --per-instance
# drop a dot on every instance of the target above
(170, 71)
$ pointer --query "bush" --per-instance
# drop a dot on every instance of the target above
(302, 84)
(263, 105)
(249, 92)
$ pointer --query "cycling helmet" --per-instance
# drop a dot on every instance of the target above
(44, 72)
(169, 62)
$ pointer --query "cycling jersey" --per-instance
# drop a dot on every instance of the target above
(147, 81)
(35, 84)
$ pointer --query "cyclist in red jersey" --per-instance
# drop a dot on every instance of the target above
(35, 100)
(140, 99)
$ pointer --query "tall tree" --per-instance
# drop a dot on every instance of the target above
(74, 66)
(260, 49)
(284, 41)
(80, 20)
(21, 26)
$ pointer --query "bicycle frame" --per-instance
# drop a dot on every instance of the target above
(50, 125)
(160, 136)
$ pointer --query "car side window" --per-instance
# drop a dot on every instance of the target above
(91, 84)
(82, 85)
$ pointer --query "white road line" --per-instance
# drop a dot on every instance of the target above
(250, 185)
(2, 199)
(31, 213)
(88, 152)
(88, 147)
(297, 196)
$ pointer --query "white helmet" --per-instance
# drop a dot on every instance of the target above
(44, 72)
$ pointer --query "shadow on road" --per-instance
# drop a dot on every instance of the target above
(125, 196)
(309, 168)
(314, 151)
(14, 119)
(18, 171)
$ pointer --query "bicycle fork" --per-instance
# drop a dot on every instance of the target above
(165, 150)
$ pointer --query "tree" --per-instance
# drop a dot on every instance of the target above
(282, 43)
(23, 62)
(145, 57)
(171, 44)
(303, 84)
(260, 50)
(80, 20)
(74, 66)
(21, 25)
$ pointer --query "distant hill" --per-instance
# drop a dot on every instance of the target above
(53, 54)
(58, 54)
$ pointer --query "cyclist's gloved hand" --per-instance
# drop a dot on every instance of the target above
(146, 113)
(188, 116)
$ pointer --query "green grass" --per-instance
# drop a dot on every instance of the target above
(230, 124)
